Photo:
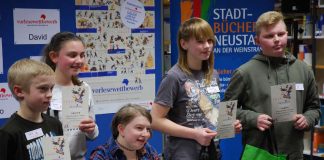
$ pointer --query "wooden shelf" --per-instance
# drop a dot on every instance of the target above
(166, 2)
(319, 128)
(321, 96)
(307, 152)
(306, 37)
(319, 67)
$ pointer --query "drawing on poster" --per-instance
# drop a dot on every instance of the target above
(112, 47)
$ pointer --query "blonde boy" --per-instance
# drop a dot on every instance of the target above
(251, 83)
(31, 83)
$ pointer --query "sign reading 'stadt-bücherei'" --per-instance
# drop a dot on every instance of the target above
(35, 26)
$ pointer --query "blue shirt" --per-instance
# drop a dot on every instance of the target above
(111, 151)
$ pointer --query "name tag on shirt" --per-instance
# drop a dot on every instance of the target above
(34, 134)
(214, 89)
(299, 86)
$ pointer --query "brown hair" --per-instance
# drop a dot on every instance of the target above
(267, 19)
(126, 114)
(199, 29)
(23, 71)
(56, 44)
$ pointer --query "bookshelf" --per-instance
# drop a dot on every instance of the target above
(308, 29)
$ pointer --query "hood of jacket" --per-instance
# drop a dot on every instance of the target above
(276, 62)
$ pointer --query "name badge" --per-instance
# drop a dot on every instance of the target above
(34, 134)
(299, 86)
(214, 89)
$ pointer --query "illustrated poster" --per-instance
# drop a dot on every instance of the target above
(120, 39)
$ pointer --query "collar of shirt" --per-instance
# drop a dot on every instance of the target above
(116, 151)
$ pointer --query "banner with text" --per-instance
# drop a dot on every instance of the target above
(8, 104)
(35, 26)
(1, 57)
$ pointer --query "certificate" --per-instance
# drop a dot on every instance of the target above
(283, 101)
(55, 148)
(75, 104)
(226, 119)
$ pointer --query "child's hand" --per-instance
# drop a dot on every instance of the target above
(264, 122)
(301, 122)
(87, 125)
(237, 126)
(204, 136)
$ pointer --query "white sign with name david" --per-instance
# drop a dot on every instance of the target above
(35, 26)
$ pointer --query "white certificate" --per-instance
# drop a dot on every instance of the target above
(283, 101)
(55, 148)
(226, 119)
(75, 104)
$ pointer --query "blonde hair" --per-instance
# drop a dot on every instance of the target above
(23, 71)
(200, 30)
(267, 19)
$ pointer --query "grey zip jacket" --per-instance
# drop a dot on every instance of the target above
(250, 85)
